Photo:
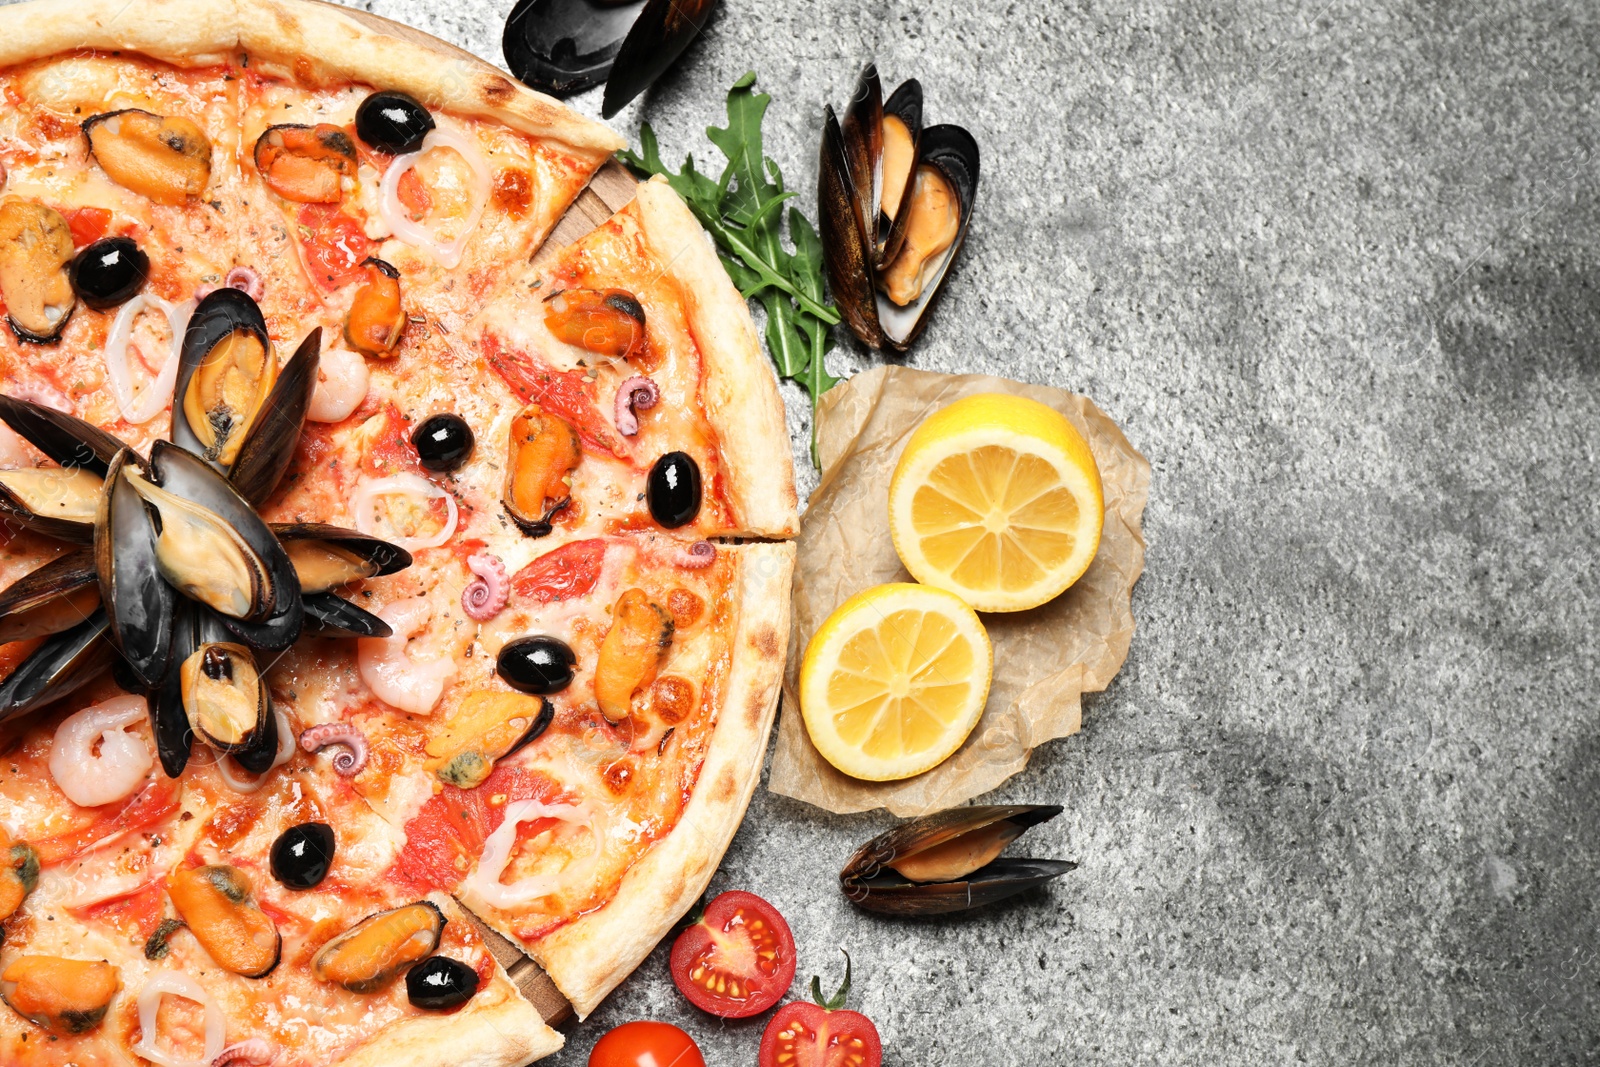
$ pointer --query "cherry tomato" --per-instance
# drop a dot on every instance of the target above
(646, 1044)
(335, 245)
(738, 960)
(821, 1034)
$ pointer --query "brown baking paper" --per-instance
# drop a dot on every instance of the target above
(1044, 659)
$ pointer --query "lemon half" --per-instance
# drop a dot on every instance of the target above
(997, 499)
(894, 681)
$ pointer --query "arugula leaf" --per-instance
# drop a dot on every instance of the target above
(743, 210)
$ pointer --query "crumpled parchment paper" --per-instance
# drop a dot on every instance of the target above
(1044, 659)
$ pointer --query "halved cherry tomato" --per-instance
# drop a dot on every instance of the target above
(567, 572)
(738, 960)
(646, 1044)
(335, 246)
(821, 1034)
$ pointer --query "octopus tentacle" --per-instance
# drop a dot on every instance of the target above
(486, 595)
(697, 556)
(634, 395)
(255, 1051)
(347, 763)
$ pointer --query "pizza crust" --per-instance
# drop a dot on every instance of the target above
(590, 956)
(739, 390)
(304, 41)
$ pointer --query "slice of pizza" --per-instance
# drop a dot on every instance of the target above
(216, 918)
(634, 340)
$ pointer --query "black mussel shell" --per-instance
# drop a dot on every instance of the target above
(871, 882)
(863, 143)
(47, 513)
(109, 272)
(270, 446)
(845, 252)
(65, 438)
(673, 489)
(302, 854)
(563, 47)
(185, 474)
(384, 557)
(954, 152)
(536, 664)
(889, 894)
(169, 723)
(658, 37)
(217, 316)
(258, 756)
(137, 598)
(330, 615)
(440, 983)
(51, 599)
(392, 121)
(906, 104)
(57, 667)
(443, 442)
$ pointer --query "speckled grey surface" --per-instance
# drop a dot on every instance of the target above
(1333, 268)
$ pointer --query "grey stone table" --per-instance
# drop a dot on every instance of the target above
(1334, 268)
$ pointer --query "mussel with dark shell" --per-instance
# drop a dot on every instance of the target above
(328, 615)
(372, 953)
(35, 251)
(895, 200)
(226, 700)
(50, 600)
(225, 375)
(563, 47)
(949, 861)
(138, 597)
(270, 443)
(65, 439)
(326, 557)
(59, 666)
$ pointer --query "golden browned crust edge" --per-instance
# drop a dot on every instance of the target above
(497, 1028)
(740, 391)
(591, 955)
(304, 41)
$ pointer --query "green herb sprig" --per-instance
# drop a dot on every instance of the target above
(743, 212)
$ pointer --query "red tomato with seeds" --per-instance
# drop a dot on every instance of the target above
(822, 1034)
(335, 245)
(88, 224)
(646, 1044)
(738, 960)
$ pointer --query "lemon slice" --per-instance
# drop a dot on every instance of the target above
(997, 499)
(894, 681)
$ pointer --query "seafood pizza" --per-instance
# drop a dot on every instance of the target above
(355, 573)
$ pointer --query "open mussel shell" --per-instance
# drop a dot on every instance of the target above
(50, 600)
(184, 474)
(66, 439)
(326, 557)
(169, 723)
(948, 861)
(845, 253)
(563, 47)
(863, 144)
(951, 151)
(901, 147)
(226, 372)
(328, 615)
(59, 666)
(269, 445)
(138, 600)
(658, 37)
(225, 697)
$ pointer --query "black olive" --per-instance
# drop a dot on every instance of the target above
(536, 664)
(302, 854)
(109, 272)
(673, 489)
(393, 121)
(439, 983)
(443, 442)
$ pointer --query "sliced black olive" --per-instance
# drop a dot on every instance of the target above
(673, 489)
(109, 272)
(302, 854)
(393, 122)
(536, 664)
(440, 983)
(443, 442)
